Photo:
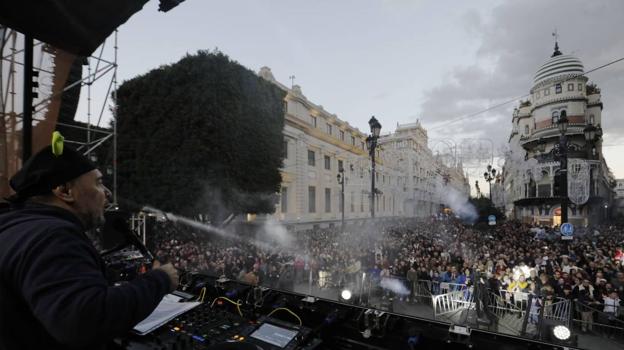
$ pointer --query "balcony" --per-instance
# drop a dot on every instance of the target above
(550, 132)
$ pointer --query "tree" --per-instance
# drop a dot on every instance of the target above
(485, 208)
(203, 135)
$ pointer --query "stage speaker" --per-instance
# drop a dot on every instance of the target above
(78, 27)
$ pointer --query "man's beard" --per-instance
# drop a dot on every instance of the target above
(93, 220)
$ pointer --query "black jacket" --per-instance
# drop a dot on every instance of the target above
(53, 293)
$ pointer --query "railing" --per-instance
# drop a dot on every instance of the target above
(558, 311)
(587, 318)
(501, 305)
(504, 310)
(452, 302)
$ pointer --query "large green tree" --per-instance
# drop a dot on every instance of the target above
(485, 208)
(200, 136)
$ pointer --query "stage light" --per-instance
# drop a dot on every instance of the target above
(166, 5)
(345, 294)
(561, 332)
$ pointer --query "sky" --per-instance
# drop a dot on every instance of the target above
(440, 62)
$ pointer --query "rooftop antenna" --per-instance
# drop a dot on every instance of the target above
(292, 81)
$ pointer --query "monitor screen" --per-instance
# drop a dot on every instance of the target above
(274, 335)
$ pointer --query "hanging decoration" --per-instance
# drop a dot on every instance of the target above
(578, 181)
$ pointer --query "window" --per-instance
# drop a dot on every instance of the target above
(313, 121)
(285, 149)
(311, 158)
(284, 200)
(526, 129)
(341, 135)
(362, 145)
(546, 91)
(555, 117)
(353, 140)
(580, 86)
(328, 200)
(361, 203)
(312, 199)
(571, 87)
(327, 163)
(543, 190)
(329, 128)
(591, 119)
(340, 165)
(557, 88)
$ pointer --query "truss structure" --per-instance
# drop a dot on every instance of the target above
(50, 66)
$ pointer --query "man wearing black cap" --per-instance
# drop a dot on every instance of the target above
(53, 293)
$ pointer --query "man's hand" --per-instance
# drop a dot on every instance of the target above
(170, 271)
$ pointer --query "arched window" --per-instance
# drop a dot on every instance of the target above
(555, 117)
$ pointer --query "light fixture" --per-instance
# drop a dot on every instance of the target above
(563, 122)
(375, 126)
(562, 332)
(590, 133)
(345, 294)
(541, 145)
(166, 5)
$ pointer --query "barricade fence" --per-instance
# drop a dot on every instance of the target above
(446, 298)
(589, 319)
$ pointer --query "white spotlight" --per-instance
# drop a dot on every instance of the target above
(561, 332)
(345, 294)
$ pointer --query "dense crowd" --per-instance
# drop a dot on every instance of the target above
(509, 258)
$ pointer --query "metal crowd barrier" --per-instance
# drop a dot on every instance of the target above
(601, 323)
(558, 311)
(451, 302)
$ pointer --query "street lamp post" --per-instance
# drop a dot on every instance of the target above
(489, 176)
(341, 181)
(562, 124)
(590, 137)
(371, 144)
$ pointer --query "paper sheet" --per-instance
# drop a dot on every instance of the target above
(169, 308)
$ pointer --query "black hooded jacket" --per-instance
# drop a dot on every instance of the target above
(53, 290)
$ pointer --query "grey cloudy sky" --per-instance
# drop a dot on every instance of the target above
(400, 60)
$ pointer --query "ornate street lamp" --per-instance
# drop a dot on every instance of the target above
(562, 124)
(590, 137)
(541, 145)
(490, 175)
(371, 144)
(341, 180)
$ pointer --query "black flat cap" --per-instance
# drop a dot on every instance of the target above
(47, 169)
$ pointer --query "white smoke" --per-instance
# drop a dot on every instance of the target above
(274, 232)
(394, 285)
(457, 201)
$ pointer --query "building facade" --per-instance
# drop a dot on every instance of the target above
(618, 205)
(318, 144)
(532, 166)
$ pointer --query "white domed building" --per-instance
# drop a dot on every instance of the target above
(532, 175)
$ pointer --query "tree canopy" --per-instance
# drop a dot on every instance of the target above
(200, 136)
(485, 208)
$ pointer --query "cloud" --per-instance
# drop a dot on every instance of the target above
(515, 40)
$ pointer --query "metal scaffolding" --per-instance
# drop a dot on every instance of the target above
(101, 74)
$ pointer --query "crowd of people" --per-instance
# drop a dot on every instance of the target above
(510, 258)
